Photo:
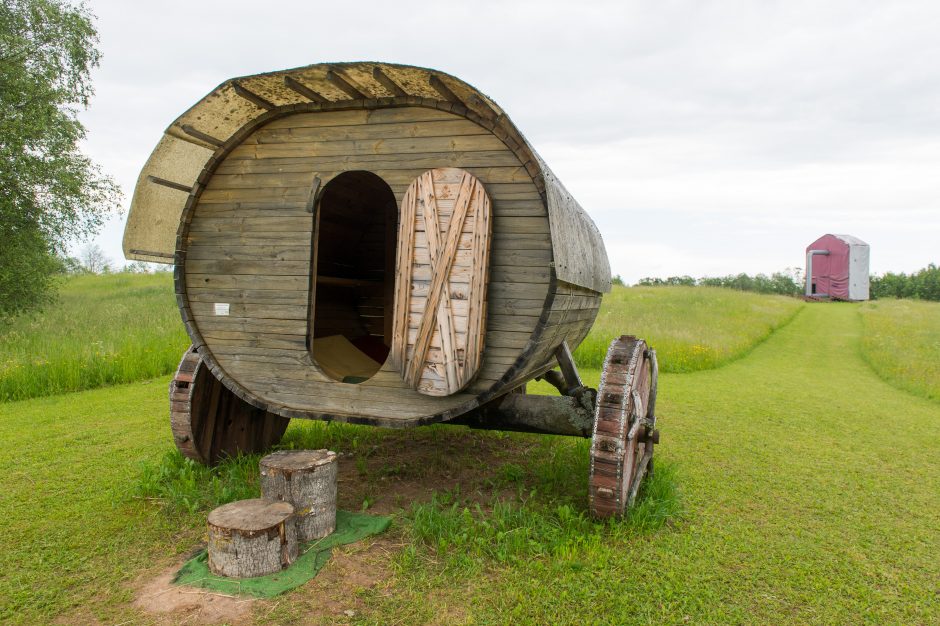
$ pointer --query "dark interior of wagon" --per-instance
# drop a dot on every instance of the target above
(354, 276)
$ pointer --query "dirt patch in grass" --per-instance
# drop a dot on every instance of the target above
(384, 477)
(340, 591)
(172, 604)
(409, 467)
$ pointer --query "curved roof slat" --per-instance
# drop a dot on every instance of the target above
(192, 139)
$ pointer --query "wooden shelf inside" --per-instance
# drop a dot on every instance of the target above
(347, 282)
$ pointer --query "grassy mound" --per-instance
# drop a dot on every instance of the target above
(103, 330)
(692, 328)
(122, 328)
(901, 342)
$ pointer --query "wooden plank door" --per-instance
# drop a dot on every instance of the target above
(440, 284)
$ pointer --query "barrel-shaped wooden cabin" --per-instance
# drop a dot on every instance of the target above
(365, 242)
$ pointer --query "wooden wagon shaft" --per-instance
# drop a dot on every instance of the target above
(549, 415)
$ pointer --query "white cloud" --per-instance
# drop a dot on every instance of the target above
(703, 137)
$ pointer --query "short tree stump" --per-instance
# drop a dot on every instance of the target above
(251, 538)
(307, 480)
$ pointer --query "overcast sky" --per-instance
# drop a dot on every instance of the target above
(704, 138)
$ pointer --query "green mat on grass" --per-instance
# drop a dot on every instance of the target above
(350, 527)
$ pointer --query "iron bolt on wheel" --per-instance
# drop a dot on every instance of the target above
(624, 426)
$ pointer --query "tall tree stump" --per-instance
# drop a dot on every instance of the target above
(306, 479)
(251, 538)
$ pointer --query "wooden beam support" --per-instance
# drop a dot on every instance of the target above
(386, 81)
(198, 134)
(551, 415)
(252, 97)
(438, 85)
(432, 230)
(334, 77)
(439, 276)
(306, 92)
(162, 255)
(568, 368)
(170, 184)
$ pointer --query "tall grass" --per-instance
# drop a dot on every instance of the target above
(468, 537)
(538, 508)
(121, 328)
(103, 330)
(692, 328)
(901, 342)
(182, 485)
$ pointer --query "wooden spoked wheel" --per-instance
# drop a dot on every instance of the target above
(624, 426)
(210, 422)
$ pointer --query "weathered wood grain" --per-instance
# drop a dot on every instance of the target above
(440, 263)
(306, 479)
(250, 219)
(251, 538)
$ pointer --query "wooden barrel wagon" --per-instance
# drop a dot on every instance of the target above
(378, 244)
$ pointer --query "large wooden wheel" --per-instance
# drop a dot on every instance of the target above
(210, 422)
(624, 426)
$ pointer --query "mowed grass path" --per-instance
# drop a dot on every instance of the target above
(693, 328)
(73, 531)
(809, 491)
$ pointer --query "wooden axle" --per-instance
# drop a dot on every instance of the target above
(552, 415)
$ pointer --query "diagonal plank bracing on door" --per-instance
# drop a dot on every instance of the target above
(444, 230)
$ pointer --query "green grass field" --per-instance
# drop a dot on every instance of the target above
(103, 330)
(122, 328)
(692, 328)
(902, 343)
(775, 500)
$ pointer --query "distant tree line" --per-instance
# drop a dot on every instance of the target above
(93, 260)
(923, 284)
(788, 283)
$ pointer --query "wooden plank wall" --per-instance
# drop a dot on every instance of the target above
(568, 317)
(249, 245)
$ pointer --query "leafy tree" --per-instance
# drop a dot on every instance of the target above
(787, 283)
(94, 260)
(50, 193)
(71, 265)
(923, 284)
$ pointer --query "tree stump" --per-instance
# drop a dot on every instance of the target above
(306, 479)
(251, 538)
